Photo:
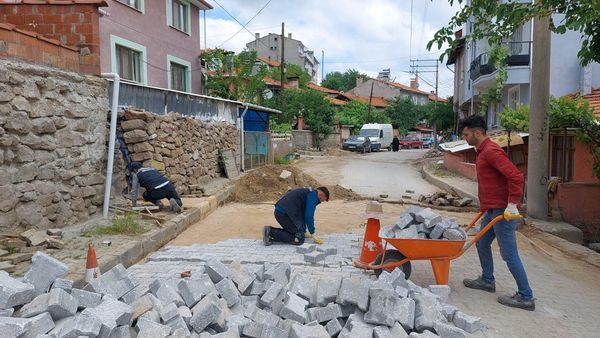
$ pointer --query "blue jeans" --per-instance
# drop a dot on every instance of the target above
(504, 231)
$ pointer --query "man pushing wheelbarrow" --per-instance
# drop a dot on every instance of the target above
(500, 190)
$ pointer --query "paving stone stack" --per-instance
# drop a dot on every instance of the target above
(423, 223)
(184, 148)
(225, 301)
(445, 199)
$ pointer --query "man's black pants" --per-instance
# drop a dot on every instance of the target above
(289, 232)
(168, 192)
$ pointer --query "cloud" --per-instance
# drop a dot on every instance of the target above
(366, 36)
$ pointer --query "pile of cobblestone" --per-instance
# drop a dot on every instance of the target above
(423, 223)
(445, 199)
(224, 301)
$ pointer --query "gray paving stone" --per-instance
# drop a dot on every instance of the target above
(151, 315)
(143, 305)
(192, 290)
(176, 323)
(111, 313)
(305, 248)
(327, 249)
(227, 334)
(405, 313)
(14, 292)
(257, 269)
(168, 294)
(237, 322)
(86, 299)
(40, 324)
(448, 311)
(242, 280)
(185, 313)
(272, 295)
(205, 312)
(294, 308)
(14, 327)
(61, 304)
(446, 330)
(274, 332)
(122, 332)
(383, 307)
(262, 317)
(314, 257)
(382, 332)
(228, 291)
(442, 291)
(64, 284)
(426, 311)
(151, 329)
(168, 311)
(356, 328)
(424, 334)
(333, 327)
(455, 234)
(466, 322)
(216, 270)
(325, 314)
(7, 312)
(115, 282)
(82, 324)
(327, 290)
(38, 305)
(308, 331)
(408, 233)
(253, 329)
(353, 293)
(404, 220)
(135, 294)
(398, 331)
(43, 271)
(304, 288)
(428, 217)
(257, 288)
(279, 273)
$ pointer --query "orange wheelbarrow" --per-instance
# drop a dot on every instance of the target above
(439, 252)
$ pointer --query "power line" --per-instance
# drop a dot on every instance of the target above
(381, 60)
(244, 26)
(238, 21)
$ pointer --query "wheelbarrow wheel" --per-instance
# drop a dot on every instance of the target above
(390, 257)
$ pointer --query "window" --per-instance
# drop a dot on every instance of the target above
(178, 15)
(128, 59)
(129, 64)
(179, 74)
(562, 155)
(137, 4)
(514, 97)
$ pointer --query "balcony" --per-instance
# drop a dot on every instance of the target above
(518, 55)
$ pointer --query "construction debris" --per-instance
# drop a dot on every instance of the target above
(19, 248)
(445, 199)
(228, 301)
(423, 223)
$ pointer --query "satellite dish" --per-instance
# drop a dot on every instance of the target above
(267, 94)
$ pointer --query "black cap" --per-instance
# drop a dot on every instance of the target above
(136, 165)
(325, 191)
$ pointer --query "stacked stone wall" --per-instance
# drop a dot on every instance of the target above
(53, 127)
(186, 150)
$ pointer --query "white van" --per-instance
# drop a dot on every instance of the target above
(381, 135)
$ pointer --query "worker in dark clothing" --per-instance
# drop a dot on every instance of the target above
(395, 144)
(157, 187)
(295, 212)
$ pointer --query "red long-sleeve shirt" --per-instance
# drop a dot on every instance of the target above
(498, 179)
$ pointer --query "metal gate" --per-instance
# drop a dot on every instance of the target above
(256, 149)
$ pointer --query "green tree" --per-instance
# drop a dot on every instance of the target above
(343, 81)
(440, 113)
(567, 112)
(318, 113)
(291, 70)
(231, 76)
(404, 114)
(356, 113)
(496, 20)
(515, 119)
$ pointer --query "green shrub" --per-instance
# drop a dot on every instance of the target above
(127, 224)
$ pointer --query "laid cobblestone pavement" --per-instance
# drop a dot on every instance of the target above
(567, 291)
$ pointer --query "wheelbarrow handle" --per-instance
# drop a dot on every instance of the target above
(479, 234)
(474, 221)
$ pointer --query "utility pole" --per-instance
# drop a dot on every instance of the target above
(282, 65)
(437, 76)
(322, 65)
(537, 162)
(428, 63)
(370, 97)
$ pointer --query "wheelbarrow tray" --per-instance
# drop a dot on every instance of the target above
(415, 249)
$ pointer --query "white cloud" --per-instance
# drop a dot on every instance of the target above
(363, 35)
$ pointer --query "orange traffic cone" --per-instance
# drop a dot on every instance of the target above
(371, 246)
(92, 271)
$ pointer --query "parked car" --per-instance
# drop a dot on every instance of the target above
(357, 143)
(411, 142)
(427, 142)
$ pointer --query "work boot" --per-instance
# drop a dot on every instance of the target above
(517, 301)
(160, 205)
(267, 236)
(174, 205)
(480, 284)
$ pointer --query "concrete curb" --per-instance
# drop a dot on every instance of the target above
(571, 249)
(440, 183)
(138, 249)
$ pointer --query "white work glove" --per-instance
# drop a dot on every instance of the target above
(307, 235)
(317, 239)
(511, 212)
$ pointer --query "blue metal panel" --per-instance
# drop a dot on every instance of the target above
(256, 121)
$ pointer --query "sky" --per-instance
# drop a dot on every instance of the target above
(353, 34)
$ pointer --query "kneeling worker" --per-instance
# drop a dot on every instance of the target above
(295, 212)
(157, 187)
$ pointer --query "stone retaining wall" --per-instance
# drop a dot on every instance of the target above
(53, 127)
(186, 150)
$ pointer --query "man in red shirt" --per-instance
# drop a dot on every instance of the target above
(500, 189)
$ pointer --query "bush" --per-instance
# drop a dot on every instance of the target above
(127, 224)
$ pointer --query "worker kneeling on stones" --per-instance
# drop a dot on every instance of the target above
(295, 212)
(157, 187)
